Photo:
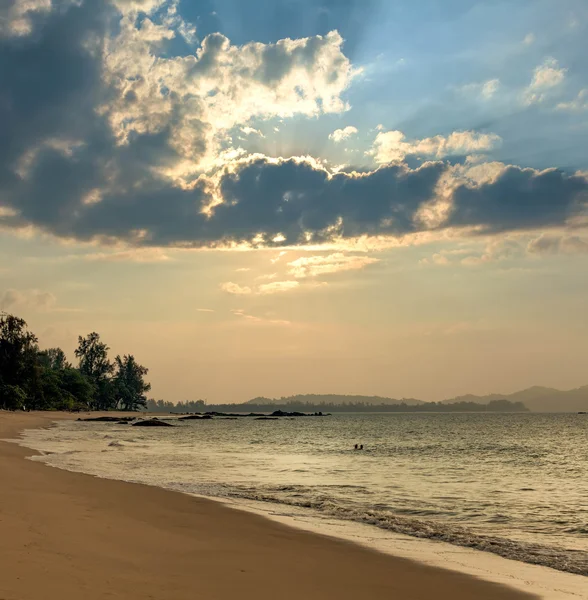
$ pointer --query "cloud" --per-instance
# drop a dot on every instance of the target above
(252, 319)
(194, 100)
(250, 131)
(276, 287)
(95, 122)
(546, 77)
(278, 257)
(34, 299)
(109, 137)
(136, 6)
(519, 199)
(501, 249)
(485, 90)
(579, 104)
(139, 255)
(235, 289)
(529, 39)
(313, 266)
(18, 17)
(205, 310)
(391, 146)
(342, 134)
(558, 244)
(438, 259)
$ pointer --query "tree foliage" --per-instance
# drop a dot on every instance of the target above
(33, 379)
(129, 383)
(18, 351)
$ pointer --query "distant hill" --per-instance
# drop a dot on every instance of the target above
(537, 399)
(318, 399)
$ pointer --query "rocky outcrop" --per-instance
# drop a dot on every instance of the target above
(152, 423)
(108, 419)
(195, 417)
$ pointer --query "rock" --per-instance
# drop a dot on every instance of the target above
(151, 423)
(267, 419)
(195, 417)
(109, 419)
(281, 413)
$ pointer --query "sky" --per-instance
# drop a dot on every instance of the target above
(276, 197)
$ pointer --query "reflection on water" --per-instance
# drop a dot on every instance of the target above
(511, 484)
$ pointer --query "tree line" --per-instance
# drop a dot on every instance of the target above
(35, 379)
(200, 406)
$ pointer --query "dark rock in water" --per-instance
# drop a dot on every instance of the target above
(152, 423)
(109, 419)
(267, 419)
(195, 417)
(122, 422)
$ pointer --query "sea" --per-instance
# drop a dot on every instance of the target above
(514, 485)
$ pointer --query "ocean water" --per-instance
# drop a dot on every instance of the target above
(515, 485)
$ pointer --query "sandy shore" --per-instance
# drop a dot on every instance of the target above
(70, 536)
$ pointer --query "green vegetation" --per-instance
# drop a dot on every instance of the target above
(34, 379)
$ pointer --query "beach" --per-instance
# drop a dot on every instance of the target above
(68, 535)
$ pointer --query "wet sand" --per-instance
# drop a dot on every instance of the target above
(69, 536)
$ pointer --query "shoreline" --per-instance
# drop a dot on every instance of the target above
(140, 541)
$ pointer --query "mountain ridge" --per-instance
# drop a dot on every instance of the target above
(536, 399)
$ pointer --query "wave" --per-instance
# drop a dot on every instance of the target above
(571, 561)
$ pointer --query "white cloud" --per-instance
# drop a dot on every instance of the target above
(277, 287)
(342, 134)
(136, 6)
(580, 103)
(546, 77)
(484, 90)
(265, 289)
(236, 289)
(251, 131)
(138, 255)
(279, 257)
(313, 266)
(529, 39)
(205, 310)
(391, 146)
(200, 97)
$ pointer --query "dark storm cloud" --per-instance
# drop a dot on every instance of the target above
(62, 170)
(520, 199)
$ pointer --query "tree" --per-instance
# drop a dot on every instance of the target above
(18, 359)
(94, 364)
(12, 397)
(77, 386)
(54, 358)
(129, 383)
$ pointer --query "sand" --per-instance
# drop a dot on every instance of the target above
(69, 536)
